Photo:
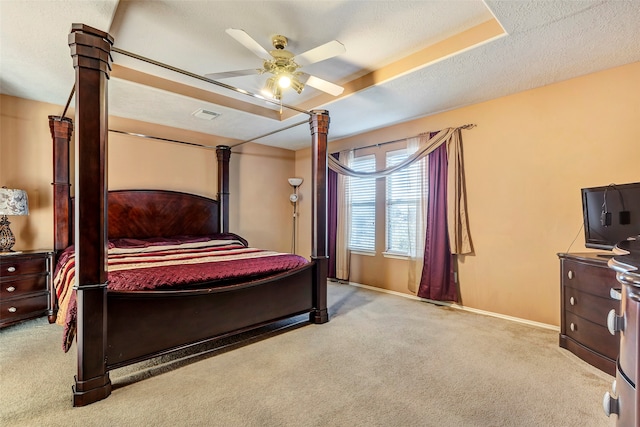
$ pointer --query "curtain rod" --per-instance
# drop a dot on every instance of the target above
(208, 80)
(379, 144)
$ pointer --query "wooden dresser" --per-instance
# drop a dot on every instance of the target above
(25, 283)
(589, 291)
(623, 399)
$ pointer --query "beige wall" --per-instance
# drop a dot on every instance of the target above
(525, 162)
(260, 206)
(258, 173)
(26, 163)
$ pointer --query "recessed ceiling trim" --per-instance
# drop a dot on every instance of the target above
(454, 45)
(135, 76)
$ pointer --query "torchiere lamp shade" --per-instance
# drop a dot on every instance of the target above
(12, 202)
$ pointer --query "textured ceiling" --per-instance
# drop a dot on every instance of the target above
(403, 60)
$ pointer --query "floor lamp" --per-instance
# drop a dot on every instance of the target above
(293, 198)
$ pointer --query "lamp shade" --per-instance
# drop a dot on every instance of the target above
(295, 182)
(13, 202)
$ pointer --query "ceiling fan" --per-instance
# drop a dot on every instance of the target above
(284, 65)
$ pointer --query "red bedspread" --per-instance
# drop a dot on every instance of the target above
(139, 265)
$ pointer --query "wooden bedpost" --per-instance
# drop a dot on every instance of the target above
(224, 154)
(319, 122)
(90, 50)
(61, 130)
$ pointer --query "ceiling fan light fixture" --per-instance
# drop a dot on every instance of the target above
(284, 81)
(280, 62)
(272, 89)
(297, 85)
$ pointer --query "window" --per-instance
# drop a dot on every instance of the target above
(403, 203)
(362, 193)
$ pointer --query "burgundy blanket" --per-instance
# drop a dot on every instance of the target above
(162, 263)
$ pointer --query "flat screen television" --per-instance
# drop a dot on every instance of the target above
(611, 214)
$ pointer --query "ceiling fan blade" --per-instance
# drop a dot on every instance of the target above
(320, 53)
(323, 85)
(237, 73)
(245, 39)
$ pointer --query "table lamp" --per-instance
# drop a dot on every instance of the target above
(12, 202)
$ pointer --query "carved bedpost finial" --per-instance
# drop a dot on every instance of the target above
(319, 121)
(90, 48)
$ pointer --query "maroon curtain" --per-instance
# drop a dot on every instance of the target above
(332, 218)
(437, 281)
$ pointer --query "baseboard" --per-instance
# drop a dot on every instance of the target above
(456, 306)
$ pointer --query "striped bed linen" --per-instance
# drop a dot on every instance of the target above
(179, 263)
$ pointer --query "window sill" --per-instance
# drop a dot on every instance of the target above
(363, 253)
(395, 255)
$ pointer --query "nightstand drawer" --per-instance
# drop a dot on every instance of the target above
(18, 266)
(588, 278)
(24, 285)
(23, 307)
(592, 335)
(589, 306)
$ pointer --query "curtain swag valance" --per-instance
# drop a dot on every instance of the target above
(457, 222)
(425, 146)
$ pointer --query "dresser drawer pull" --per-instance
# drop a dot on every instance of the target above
(615, 294)
(614, 323)
(573, 327)
(12, 309)
(570, 274)
(11, 269)
(609, 404)
(572, 301)
(11, 289)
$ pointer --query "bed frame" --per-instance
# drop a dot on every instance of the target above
(115, 329)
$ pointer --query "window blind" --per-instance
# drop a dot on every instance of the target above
(362, 193)
(403, 202)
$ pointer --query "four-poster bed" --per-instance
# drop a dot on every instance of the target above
(116, 328)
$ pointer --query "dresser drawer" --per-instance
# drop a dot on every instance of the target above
(23, 307)
(11, 267)
(589, 278)
(588, 306)
(592, 335)
(20, 286)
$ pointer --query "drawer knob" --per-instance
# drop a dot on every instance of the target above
(11, 289)
(573, 326)
(615, 294)
(570, 274)
(614, 323)
(12, 309)
(609, 404)
(11, 269)
(572, 301)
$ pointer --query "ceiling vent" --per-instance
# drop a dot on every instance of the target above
(205, 114)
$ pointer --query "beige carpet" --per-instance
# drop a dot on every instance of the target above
(382, 360)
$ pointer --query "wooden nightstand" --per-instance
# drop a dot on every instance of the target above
(25, 284)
